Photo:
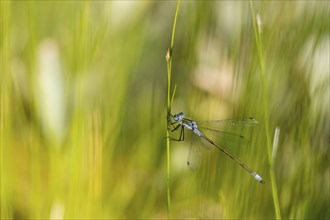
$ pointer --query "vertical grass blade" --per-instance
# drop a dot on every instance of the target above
(169, 102)
(275, 144)
(5, 22)
(257, 32)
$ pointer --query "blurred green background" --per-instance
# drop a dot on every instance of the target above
(83, 108)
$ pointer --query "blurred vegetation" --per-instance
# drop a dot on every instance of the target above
(83, 108)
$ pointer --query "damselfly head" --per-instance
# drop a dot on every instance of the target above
(179, 116)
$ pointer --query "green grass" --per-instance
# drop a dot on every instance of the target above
(170, 97)
(257, 27)
(82, 135)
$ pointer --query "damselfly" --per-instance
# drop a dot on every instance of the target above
(180, 122)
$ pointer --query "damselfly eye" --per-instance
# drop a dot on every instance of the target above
(178, 117)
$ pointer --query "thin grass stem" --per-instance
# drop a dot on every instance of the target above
(4, 102)
(275, 144)
(173, 94)
(257, 33)
(169, 103)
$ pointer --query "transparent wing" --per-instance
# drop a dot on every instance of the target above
(197, 144)
(231, 124)
(194, 157)
(233, 132)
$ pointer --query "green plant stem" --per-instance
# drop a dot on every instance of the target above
(257, 33)
(4, 101)
(169, 102)
(167, 140)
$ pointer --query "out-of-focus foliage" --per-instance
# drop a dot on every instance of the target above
(83, 103)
